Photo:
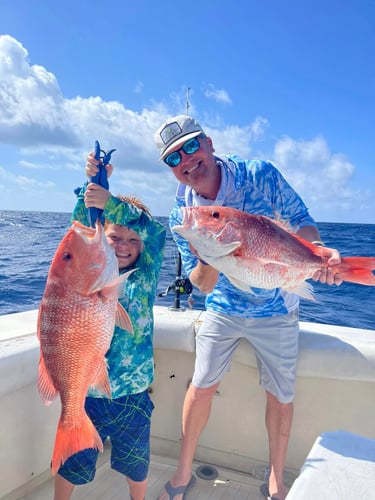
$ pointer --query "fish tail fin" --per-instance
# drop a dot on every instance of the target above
(72, 439)
(358, 270)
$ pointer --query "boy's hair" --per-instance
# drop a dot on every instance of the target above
(136, 202)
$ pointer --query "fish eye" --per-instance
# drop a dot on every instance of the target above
(215, 215)
(67, 256)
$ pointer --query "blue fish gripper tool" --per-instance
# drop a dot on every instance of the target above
(100, 178)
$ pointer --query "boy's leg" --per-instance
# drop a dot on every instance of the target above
(137, 489)
(63, 488)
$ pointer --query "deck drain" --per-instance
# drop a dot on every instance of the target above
(207, 472)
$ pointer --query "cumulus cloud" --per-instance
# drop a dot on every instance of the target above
(23, 182)
(31, 104)
(138, 87)
(321, 177)
(51, 136)
(219, 95)
(230, 138)
(33, 110)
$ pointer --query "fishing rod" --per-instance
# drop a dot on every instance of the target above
(100, 178)
(179, 286)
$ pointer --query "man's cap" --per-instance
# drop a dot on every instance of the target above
(176, 131)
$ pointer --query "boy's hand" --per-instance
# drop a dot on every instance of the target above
(96, 196)
(92, 166)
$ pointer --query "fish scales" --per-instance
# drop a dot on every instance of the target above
(77, 316)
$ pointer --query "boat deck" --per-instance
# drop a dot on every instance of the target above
(229, 485)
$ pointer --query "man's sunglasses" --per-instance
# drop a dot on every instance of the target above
(189, 147)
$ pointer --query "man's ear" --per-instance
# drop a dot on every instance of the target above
(209, 142)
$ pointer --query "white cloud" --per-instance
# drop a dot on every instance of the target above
(52, 135)
(30, 98)
(319, 176)
(228, 139)
(33, 111)
(219, 95)
(24, 182)
(138, 87)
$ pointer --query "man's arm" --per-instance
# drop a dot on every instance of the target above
(326, 274)
(204, 277)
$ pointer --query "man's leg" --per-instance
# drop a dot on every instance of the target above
(278, 422)
(63, 488)
(195, 414)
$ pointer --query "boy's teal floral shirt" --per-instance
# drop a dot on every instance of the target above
(130, 357)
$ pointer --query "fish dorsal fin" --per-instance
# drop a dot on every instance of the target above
(322, 252)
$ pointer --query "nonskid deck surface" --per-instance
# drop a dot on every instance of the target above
(109, 485)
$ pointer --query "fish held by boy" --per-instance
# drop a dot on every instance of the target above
(254, 251)
(77, 316)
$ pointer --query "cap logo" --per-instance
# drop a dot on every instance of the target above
(170, 131)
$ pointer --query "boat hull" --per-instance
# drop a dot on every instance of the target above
(335, 388)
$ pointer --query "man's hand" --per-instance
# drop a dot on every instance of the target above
(204, 277)
(328, 274)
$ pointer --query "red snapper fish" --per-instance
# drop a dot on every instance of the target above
(256, 251)
(77, 316)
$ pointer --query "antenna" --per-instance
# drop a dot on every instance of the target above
(187, 100)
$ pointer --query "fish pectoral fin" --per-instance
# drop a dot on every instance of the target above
(101, 381)
(303, 289)
(116, 284)
(122, 319)
(221, 250)
(240, 284)
(227, 248)
(47, 390)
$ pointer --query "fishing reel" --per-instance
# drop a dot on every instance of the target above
(180, 285)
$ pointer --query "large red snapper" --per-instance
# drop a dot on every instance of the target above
(76, 320)
(256, 251)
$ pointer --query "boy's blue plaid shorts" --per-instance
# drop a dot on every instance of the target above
(126, 421)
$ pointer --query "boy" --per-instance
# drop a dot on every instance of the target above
(138, 241)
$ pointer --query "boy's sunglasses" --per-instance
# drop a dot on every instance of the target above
(189, 147)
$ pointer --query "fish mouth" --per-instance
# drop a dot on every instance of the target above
(107, 263)
(95, 236)
(190, 220)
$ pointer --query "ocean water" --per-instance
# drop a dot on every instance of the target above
(28, 241)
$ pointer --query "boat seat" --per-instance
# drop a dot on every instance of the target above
(340, 465)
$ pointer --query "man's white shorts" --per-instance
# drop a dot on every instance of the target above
(274, 339)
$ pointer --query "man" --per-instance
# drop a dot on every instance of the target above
(255, 187)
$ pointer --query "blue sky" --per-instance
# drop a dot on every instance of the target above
(292, 82)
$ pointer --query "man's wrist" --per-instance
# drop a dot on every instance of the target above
(203, 262)
(318, 243)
